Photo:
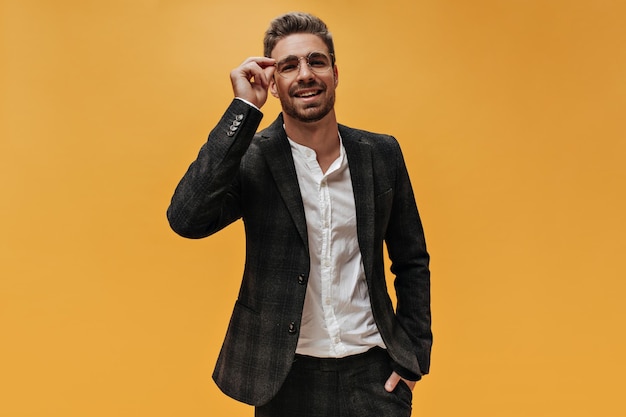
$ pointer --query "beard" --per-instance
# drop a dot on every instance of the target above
(311, 112)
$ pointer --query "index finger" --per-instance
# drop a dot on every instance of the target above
(261, 61)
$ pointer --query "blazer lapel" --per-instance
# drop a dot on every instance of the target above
(277, 152)
(359, 155)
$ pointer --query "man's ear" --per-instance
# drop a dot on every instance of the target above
(336, 72)
(273, 88)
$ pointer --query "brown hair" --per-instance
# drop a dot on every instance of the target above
(296, 22)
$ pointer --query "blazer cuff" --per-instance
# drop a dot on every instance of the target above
(405, 373)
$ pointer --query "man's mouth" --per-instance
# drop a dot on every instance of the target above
(307, 93)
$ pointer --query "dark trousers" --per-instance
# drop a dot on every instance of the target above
(346, 387)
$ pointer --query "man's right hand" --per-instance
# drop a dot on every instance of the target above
(251, 79)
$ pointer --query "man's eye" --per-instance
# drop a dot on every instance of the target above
(288, 66)
(317, 63)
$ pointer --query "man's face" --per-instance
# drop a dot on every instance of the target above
(305, 95)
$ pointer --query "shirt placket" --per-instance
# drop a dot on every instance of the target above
(327, 268)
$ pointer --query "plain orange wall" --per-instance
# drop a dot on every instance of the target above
(511, 117)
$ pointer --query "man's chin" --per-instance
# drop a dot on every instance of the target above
(310, 117)
(310, 114)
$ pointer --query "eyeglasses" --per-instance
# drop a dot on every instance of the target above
(318, 62)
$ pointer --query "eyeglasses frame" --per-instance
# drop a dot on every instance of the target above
(330, 54)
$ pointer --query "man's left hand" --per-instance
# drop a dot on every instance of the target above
(393, 380)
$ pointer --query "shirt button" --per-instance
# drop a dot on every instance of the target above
(301, 279)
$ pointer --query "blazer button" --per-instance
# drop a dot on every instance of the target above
(301, 279)
(292, 327)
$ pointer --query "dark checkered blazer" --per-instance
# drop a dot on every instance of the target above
(242, 174)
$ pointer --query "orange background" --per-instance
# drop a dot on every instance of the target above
(511, 117)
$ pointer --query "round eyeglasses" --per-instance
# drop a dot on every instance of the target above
(318, 62)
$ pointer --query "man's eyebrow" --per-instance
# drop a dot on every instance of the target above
(288, 58)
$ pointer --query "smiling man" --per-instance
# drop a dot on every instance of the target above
(313, 331)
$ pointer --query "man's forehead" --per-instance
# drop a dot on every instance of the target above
(299, 44)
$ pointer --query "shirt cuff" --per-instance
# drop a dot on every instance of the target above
(247, 102)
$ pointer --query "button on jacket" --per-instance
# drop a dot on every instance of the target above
(251, 176)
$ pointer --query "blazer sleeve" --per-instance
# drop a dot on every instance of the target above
(207, 197)
(409, 258)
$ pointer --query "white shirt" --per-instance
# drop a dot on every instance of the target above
(337, 319)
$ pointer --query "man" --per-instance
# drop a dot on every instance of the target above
(313, 331)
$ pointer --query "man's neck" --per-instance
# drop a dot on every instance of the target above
(322, 136)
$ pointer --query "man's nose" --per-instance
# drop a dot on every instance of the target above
(304, 71)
